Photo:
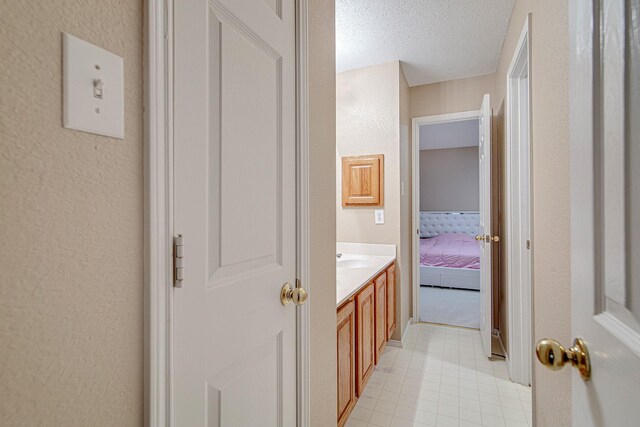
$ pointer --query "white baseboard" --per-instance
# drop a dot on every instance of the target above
(399, 344)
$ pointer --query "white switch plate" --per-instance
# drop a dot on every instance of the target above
(85, 66)
(379, 216)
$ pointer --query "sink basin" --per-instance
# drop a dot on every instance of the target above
(354, 262)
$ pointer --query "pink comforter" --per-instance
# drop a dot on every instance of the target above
(450, 250)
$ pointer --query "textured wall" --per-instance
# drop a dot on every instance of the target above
(452, 96)
(368, 110)
(449, 179)
(551, 192)
(71, 294)
(406, 236)
(322, 134)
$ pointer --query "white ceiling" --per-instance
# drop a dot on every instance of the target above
(436, 40)
(449, 135)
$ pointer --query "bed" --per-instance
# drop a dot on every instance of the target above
(449, 253)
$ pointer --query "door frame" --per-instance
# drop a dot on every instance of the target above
(416, 122)
(519, 291)
(158, 208)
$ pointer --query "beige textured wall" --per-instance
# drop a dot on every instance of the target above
(449, 179)
(71, 221)
(322, 133)
(406, 236)
(368, 122)
(452, 96)
(551, 193)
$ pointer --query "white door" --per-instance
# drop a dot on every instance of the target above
(485, 223)
(605, 210)
(233, 344)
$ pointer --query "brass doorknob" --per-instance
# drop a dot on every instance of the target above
(554, 356)
(479, 238)
(494, 239)
(298, 295)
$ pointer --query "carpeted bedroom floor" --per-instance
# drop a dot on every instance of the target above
(450, 307)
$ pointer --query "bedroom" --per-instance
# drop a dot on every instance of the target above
(449, 255)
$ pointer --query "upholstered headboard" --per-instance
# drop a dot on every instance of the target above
(436, 223)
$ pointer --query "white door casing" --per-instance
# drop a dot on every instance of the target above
(484, 148)
(233, 344)
(605, 208)
(517, 235)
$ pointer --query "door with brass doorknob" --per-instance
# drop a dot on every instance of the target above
(604, 303)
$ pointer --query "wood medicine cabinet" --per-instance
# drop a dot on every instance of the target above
(363, 180)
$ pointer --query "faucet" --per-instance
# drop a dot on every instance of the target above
(338, 255)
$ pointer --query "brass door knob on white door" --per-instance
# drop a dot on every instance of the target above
(554, 356)
(288, 294)
(480, 238)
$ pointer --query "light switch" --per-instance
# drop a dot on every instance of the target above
(379, 216)
(93, 86)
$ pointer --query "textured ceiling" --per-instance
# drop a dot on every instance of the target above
(436, 40)
(449, 135)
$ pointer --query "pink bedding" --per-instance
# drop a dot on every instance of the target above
(451, 250)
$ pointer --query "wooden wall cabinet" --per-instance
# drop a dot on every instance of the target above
(365, 336)
(391, 300)
(346, 321)
(363, 180)
(380, 284)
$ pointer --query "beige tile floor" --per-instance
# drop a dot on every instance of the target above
(441, 378)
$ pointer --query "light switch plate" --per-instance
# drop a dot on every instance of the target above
(379, 216)
(93, 87)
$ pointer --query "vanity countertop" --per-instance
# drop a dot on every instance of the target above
(358, 265)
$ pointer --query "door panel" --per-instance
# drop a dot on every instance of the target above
(485, 223)
(391, 300)
(604, 209)
(365, 315)
(381, 314)
(346, 361)
(234, 162)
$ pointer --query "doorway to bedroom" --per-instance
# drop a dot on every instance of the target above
(452, 220)
(449, 255)
(449, 198)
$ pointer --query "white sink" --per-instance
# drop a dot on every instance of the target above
(354, 261)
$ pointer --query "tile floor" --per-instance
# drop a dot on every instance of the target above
(441, 378)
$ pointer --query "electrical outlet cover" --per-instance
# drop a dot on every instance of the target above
(93, 88)
(379, 215)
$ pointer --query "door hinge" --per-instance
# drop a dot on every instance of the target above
(528, 244)
(178, 260)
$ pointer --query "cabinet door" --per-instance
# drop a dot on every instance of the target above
(365, 336)
(346, 361)
(363, 180)
(381, 314)
(391, 300)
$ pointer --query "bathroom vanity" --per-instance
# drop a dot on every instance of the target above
(366, 316)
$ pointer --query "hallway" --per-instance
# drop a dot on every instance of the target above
(439, 379)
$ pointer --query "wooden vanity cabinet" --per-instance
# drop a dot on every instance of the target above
(391, 300)
(346, 321)
(381, 313)
(365, 323)
(365, 336)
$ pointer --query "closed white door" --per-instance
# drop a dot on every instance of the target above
(605, 209)
(233, 344)
(484, 236)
